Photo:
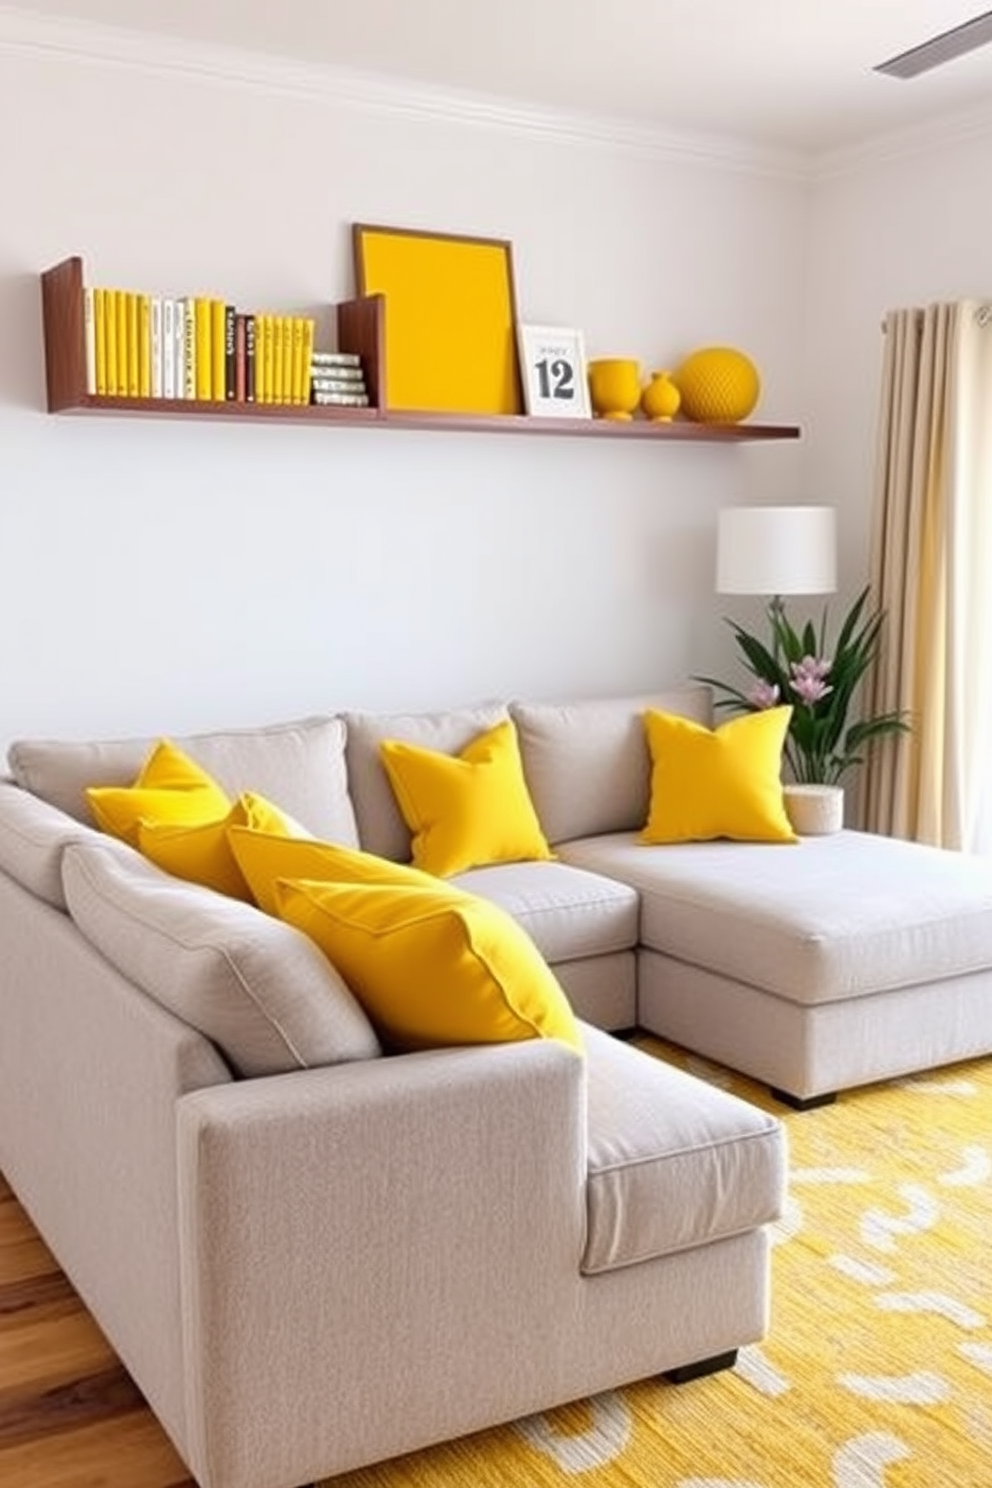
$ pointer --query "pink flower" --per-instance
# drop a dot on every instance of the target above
(807, 679)
(763, 695)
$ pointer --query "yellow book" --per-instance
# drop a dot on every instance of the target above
(100, 340)
(278, 358)
(292, 347)
(133, 304)
(203, 311)
(110, 335)
(264, 365)
(260, 387)
(218, 343)
(144, 345)
(123, 344)
(307, 353)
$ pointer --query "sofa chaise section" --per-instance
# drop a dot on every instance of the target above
(815, 967)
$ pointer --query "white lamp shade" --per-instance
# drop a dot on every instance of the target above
(777, 550)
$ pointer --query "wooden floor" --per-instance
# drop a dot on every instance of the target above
(70, 1417)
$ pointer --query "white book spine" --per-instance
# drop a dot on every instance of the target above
(189, 347)
(179, 327)
(336, 385)
(156, 349)
(168, 348)
(89, 331)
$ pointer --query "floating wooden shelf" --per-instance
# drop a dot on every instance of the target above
(360, 325)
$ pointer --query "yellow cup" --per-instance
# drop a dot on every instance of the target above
(615, 386)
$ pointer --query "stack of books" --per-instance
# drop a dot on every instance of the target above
(336, 377)
(141, 345)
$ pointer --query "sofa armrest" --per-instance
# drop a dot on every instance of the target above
(348, 1233)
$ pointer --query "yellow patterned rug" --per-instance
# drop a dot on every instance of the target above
(877, 1371)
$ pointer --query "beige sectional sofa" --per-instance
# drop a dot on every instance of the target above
(312, 1255)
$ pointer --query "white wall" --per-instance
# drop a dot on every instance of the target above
(163, 575)
(905, 225)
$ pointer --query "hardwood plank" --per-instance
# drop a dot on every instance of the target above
(52, 1344)
(23, 1253)
(33, 1291)
(25, 1413)
(131, 1451)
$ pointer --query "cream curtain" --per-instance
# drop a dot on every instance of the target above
(931, 571)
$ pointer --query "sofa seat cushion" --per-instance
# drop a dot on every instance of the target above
(830, 918)
(673, 1162)
(258, 989)
(299, 766)
(567, 912)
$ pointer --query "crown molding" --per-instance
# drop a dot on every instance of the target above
(57, 37)
(903, 144)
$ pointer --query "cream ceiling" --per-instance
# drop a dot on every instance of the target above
(786, 74)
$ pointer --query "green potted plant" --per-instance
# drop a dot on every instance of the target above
(820, 682)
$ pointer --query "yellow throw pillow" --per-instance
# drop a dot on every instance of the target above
(469, 809)
(202, 852)
(432, 966)
(170, 788)
(724, 782)
(264, 858)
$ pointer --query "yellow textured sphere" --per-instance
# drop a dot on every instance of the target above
(719, 385)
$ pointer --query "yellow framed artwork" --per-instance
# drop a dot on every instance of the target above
(450, 317)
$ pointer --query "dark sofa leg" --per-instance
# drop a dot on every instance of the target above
(799, 1103)
(686, 1372)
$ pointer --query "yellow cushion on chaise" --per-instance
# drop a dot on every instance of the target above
(723, 782)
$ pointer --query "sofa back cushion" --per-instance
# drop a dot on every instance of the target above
(32, 837)
(259, 989)
(381, 828)
(300, 766)
(587, 762)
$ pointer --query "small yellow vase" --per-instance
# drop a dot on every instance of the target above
(615, 386)
(661, 399)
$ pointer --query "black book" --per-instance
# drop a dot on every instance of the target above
(249, 358)
(230, 357)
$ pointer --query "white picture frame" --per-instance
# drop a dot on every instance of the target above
(553, 372)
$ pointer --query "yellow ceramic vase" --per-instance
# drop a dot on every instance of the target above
(719, 385)
(615, 386)
(661, 399)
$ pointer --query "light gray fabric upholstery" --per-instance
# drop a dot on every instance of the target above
(823, 919)
(259, 989)
(299, 766)
(90, 1074)
(568, 913)
(673, 1162)
(381, 828)
(602, 989)
(587, 762)
(817, 1049)
(32, 836)
(479, 1315)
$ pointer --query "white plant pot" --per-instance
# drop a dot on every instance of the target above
(814, 810)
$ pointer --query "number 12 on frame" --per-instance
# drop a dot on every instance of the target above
(553, 372)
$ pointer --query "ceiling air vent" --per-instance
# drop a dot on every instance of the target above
(940, 49)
